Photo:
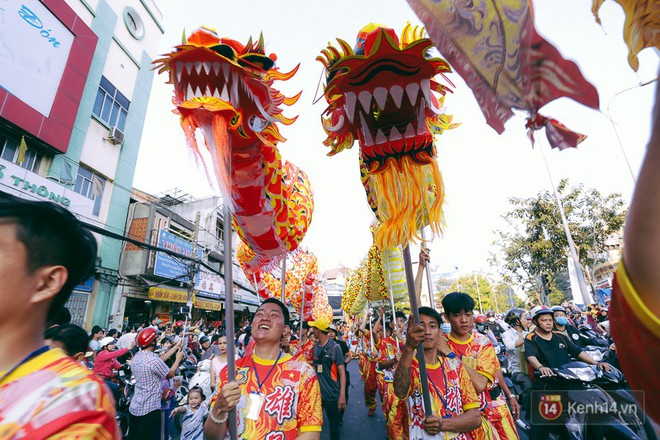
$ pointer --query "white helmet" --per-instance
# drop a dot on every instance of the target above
(541, 310)
(107, 340)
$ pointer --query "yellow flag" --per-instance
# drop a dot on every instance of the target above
(22, 148)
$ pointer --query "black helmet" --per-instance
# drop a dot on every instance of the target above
(514, 315)
(490, 314)
(203, 339)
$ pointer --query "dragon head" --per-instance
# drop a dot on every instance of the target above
(383, 93)
(220, 78)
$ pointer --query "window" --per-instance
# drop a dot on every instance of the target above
(110, 105)
(9, 151)
(133, 23)
(219, 233)
(91, 186)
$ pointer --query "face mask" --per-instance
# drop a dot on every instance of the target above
(481, 328)
(491, 320)
(446, 327)
(562, 320)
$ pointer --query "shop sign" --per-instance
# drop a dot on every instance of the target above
(168, 294)
(171, 267)
(135, 292)
(210, 285)
(86, 286)
(207, 305)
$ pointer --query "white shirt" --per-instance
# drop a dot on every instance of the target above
(126, 340)
(509, 338)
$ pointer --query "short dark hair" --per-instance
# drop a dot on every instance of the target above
(197, 390)
(112, 332)
(178, 330)
(52, 236)
(276, 301)
(399, 314)
(73, 337)
(95, 330)
(60, 316)
(456, 302)
(431, 313)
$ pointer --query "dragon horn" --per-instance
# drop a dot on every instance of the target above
(348, 50)
(335, 52)
(292, 100)
(249, 44)
(260, 44)
(183, 37)
(284, 120)
(323, 60)
(279, 76)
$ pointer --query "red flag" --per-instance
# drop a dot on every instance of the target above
(494, 46)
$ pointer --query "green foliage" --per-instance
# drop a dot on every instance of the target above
(493, 297)
(535, 246)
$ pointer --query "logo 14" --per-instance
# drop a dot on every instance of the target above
(550, 406)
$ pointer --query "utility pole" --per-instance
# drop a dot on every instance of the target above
(194, 267)
(476, 282)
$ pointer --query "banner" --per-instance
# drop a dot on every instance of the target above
(168, 294)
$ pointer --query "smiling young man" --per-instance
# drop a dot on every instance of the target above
(275, 396)
(477, 354)
(44, 253)
(454, 409)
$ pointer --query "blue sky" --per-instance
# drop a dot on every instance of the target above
(481, 169)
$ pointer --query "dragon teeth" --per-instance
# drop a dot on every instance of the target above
(189, 68)
(189, 93)
(198, 67)
(380, 137)
(207, 92)
(395, 135)
(412, 90)
(421, 122)
(397, 95)
(225, 94)
(179, 69)
(380, 94)
(368, 140)
(216, 68)
(426, 89)
(207, 67)
(365, 100)
(410, 131)
(351, 99)
(225, 70)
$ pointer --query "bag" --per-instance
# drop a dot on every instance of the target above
(167, 394)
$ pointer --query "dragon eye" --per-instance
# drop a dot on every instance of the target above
(225, 50)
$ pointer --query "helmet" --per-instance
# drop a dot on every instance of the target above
(558, 309)
(541, 310)
(179, 323)
(203, 339)
(513, 314)
(480, 319)
(490, 314)
(146, 337)
(107, 340)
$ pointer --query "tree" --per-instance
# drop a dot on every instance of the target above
(533, 253)
(486, 296)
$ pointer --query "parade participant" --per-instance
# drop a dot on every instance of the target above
(370, 373)
(273, 393)
(328, 361)
(547, 349)
(106, 363)
(394, 408)
(454, 411)
(149, 369)
(477, 355)
(302, 349)
(514, 342)
(44, 253)
(332, 334)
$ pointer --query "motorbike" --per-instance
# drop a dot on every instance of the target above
(202, 379)
(126, 392)
(592, 412)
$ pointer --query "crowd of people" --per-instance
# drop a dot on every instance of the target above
(282, 384)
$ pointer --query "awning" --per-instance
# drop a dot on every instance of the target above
(206, 304)
(168, 294)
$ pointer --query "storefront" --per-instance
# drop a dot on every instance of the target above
(165, 302)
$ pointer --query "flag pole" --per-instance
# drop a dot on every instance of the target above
(389, 283)
(229, 307)
(428, 275)
(412, 295)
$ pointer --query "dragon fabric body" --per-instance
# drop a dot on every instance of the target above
(381, 93)
(225, 90)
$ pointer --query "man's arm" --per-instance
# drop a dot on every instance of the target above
(309, 435)
(402, 375)
(342, 387)
(175, 365)
(479, 381)
(468, 421)
(534, 362)
(164, 357)
(423, 260)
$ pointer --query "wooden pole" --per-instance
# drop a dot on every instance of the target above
(389, 283)
(410, 280)
(229, 314)
(428, 276)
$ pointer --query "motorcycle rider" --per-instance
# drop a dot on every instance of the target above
(547, 349)
(514, 342)
(494, 326)
(481, 324)
(106, 362)
(562, 325)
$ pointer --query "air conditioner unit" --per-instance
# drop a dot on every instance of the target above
(116, 136)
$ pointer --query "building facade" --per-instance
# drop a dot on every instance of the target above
(157, 284)
(75, 79)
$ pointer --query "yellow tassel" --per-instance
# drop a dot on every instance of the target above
(408, 197)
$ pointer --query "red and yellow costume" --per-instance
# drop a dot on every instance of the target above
(51, 396)
(478, 352)
(370, 375)
(396, 414)
(292, 398)
(636, 332)
(451, 393)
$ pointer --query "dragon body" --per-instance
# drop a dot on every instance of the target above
(224, 89)
(382, 93)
